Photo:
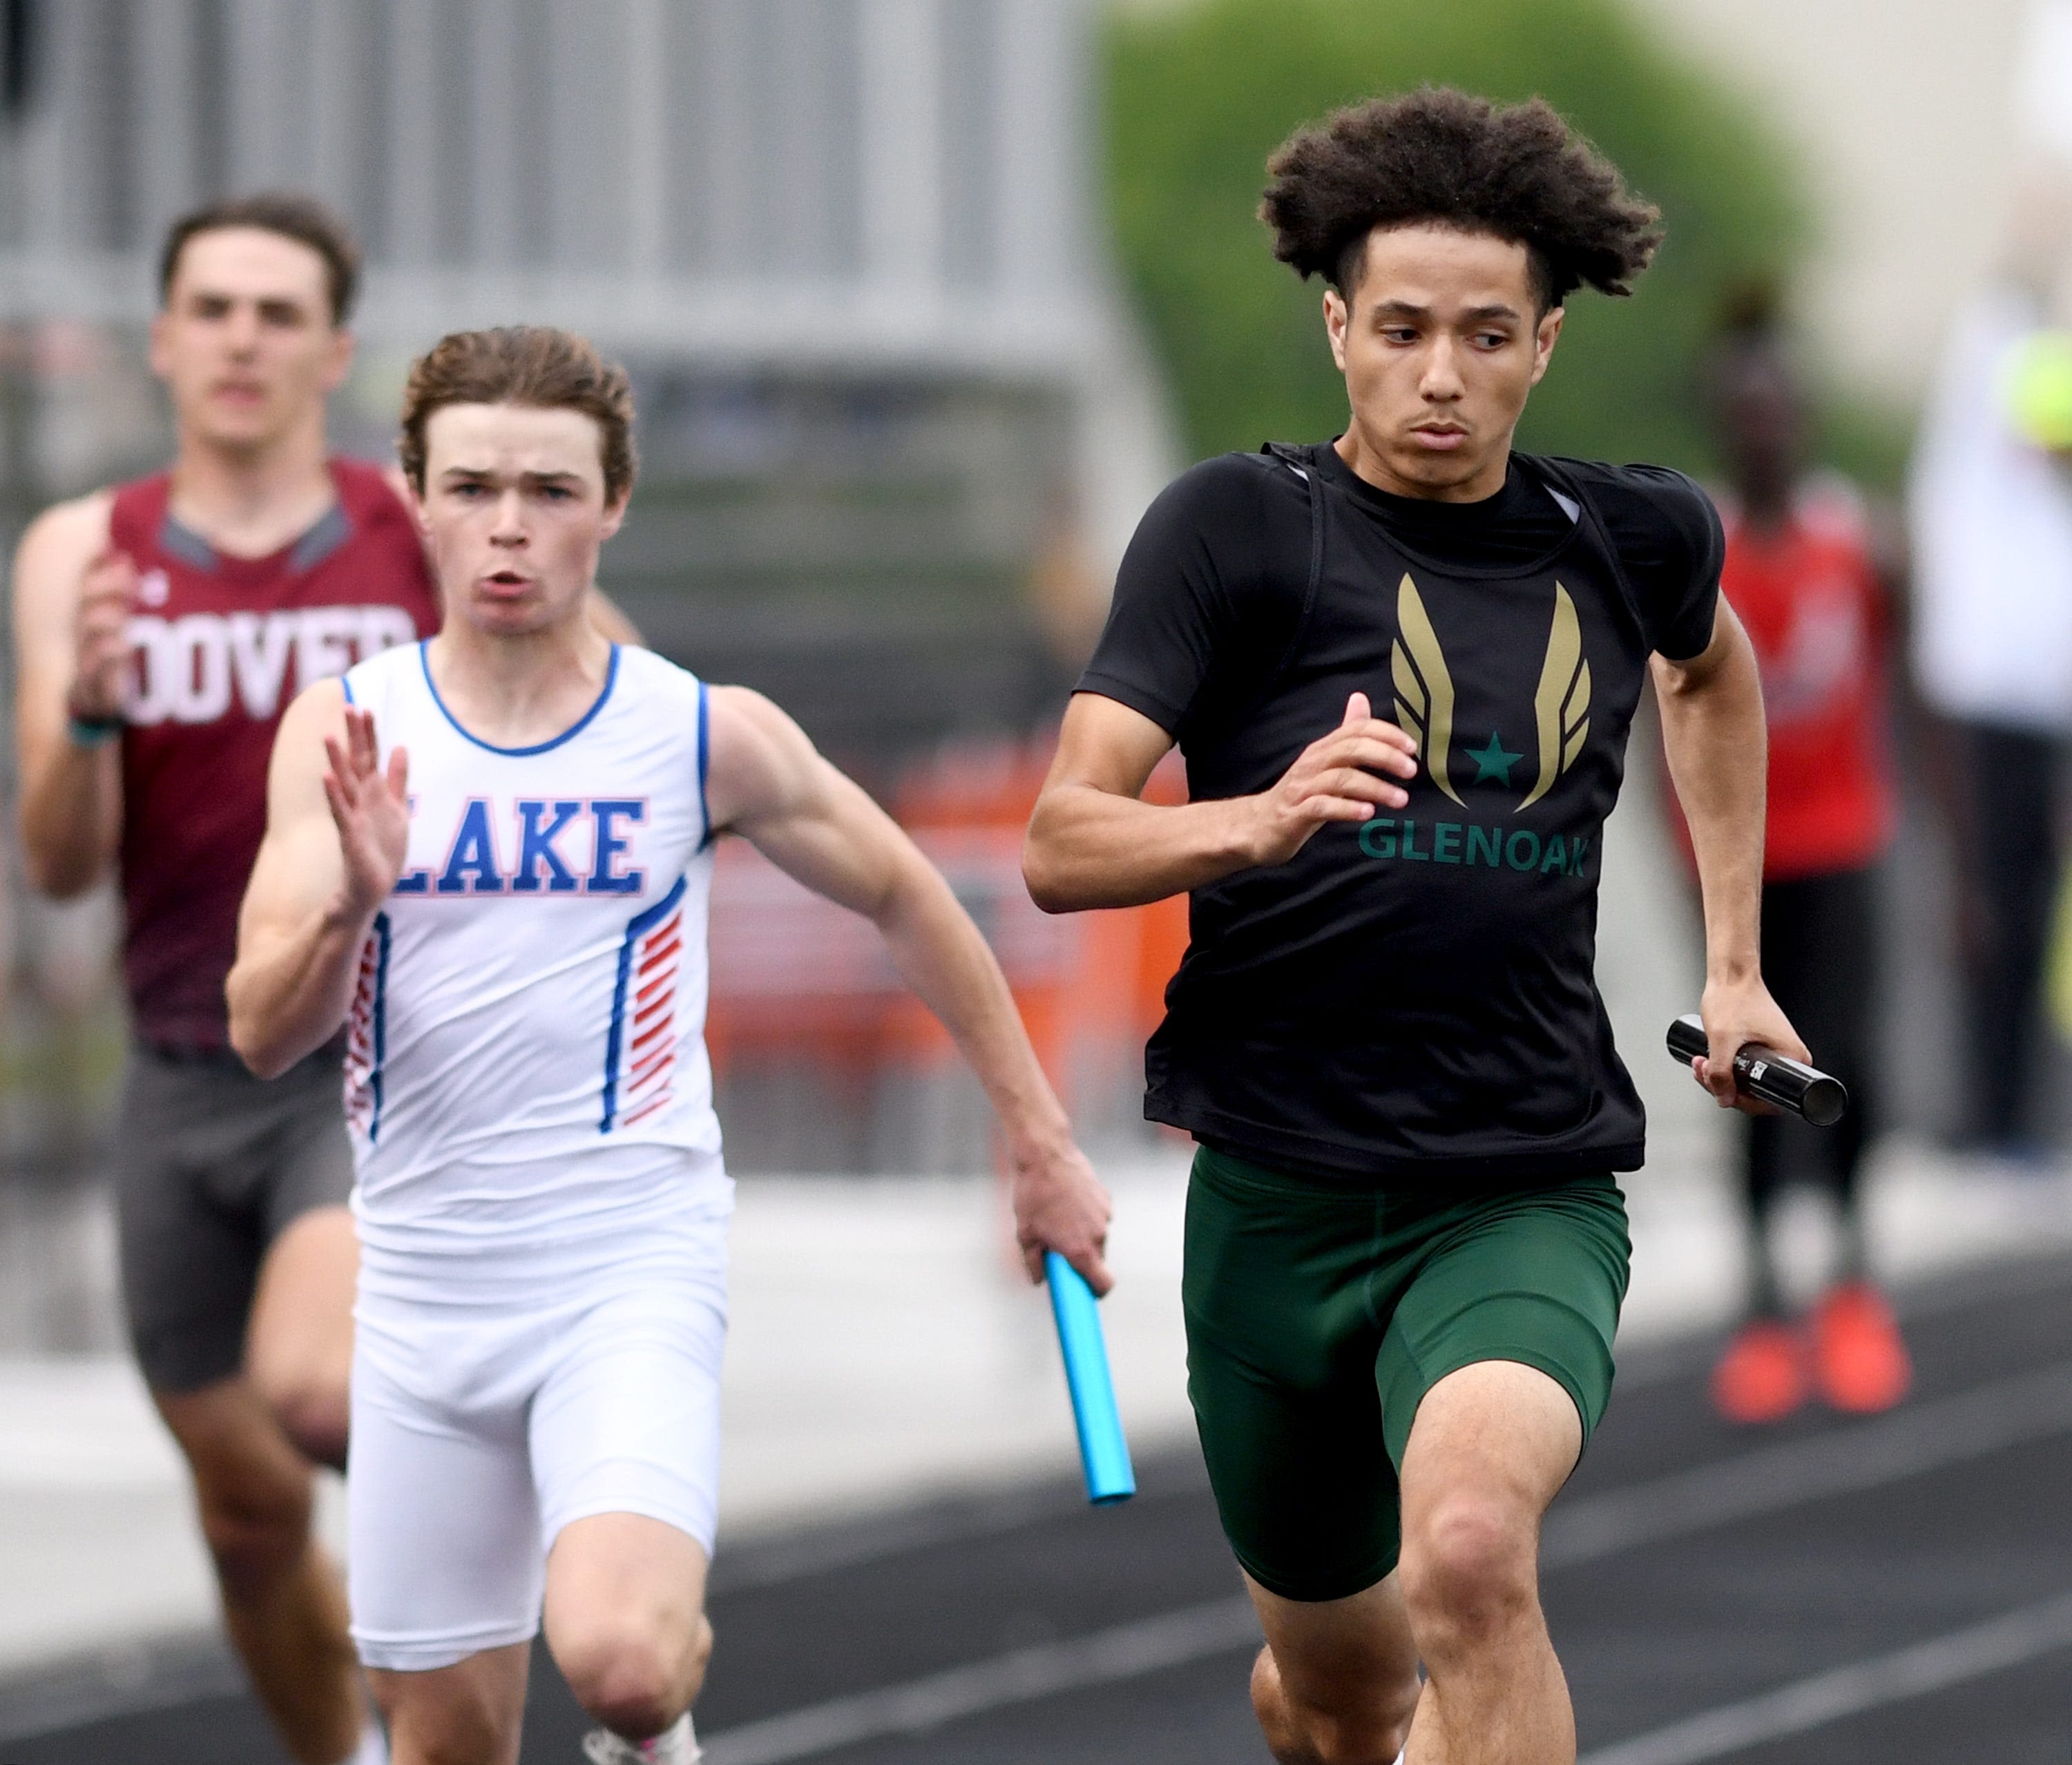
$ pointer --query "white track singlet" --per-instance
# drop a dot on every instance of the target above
(526, 1065)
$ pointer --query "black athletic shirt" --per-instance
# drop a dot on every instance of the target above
(1413, 996)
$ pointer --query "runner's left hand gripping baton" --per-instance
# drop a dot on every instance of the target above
(1103, 1452)
(1776, 1079)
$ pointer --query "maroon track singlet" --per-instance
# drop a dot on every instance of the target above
(221, 646)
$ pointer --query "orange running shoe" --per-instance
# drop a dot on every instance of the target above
(1761, 1376)
(1859, 1361)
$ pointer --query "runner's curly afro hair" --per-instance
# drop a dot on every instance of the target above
(1440, 157)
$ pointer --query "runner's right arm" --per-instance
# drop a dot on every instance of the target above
(768, 784)
(337, 828)
(1092, 843)
(72, 596)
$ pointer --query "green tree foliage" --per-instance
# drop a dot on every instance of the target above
(1199, 95)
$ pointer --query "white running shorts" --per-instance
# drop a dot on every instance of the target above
(482, 1425)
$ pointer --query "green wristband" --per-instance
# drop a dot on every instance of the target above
(91, 731)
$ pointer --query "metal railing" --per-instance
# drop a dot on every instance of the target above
(873, 181)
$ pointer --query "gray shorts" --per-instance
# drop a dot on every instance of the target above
(212, 1166)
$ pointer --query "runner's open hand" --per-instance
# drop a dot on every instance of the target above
(371, 810)
(1060, 1205)
(1736, 1013)
(1338, 777)
(100, 639)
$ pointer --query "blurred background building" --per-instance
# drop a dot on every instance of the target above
(853, 245)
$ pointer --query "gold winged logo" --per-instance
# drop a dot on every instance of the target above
(1561, 707)
(1424, 688)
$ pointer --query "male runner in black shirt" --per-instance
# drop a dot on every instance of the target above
(1406, 1252)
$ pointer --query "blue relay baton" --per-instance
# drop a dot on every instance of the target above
(1104, 1454)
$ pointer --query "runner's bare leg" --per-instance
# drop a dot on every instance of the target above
(283, 1603)
(1491, 1445)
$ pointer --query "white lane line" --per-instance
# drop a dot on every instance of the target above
(1929, 1437)
(2015, 1637)
(1126, 1651)
(1949, 1431)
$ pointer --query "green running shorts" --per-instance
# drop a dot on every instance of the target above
(1320, 1312)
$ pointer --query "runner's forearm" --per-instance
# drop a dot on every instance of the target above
(289, 994)
(1712, 731)
(940, 953)
(72, 814)
(1091, 848)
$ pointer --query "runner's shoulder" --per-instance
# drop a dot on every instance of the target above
(78, 526)
(322, 702)
(51, 560)
(1661, 521)
(662, 688)
(370, 680)
(1229, 494)
(316, 713)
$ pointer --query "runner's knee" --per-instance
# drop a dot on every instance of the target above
(253, 1492)
(256, 1529)
(313, 1410)
(633, 1676)
(1467, 1568)
(298, 1349)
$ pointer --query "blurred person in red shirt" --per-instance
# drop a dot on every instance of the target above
(1801, 573)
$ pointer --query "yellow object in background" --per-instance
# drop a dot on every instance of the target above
(2036, 389)
(2057, 972)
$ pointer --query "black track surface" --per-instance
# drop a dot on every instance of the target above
(1649, 1636)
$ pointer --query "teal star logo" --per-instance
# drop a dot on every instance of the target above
(1494, 762)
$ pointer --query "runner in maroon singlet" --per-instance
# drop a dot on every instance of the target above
(222, 645)
(161, 630)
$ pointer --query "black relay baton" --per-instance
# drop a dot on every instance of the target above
(1807, 1092)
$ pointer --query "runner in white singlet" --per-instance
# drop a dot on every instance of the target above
(533, 991)
(491, 855)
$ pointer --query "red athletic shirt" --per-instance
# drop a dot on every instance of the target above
(1810, 597)
(221, 647)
